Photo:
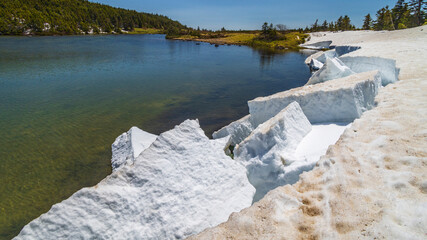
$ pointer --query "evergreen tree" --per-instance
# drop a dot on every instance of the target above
(384, 20)
(331, 26)
(315, 26)
(367, 22)
(325, 26)
(339, 24)
(401, 15)
(418, 8)
(346, 23)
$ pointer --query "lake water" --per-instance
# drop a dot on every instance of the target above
(63, 101)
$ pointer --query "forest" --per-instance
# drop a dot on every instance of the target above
(405, 14)
(66, 17)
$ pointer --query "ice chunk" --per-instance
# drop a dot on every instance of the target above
(387, 67)
(313, 56)
(315, 65)
(129, 145)
(332, 69)
(238, 130)
(268, 152)
(339, 100)
(180, 185)
(337, 52)
(325, 55)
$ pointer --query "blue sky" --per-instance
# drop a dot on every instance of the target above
(251, 14)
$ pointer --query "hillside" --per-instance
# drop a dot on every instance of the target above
(47, 17)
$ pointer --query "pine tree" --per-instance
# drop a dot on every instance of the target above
(346, 23)
(401, 15)
(339, 24)
(325, 26)
(418, 8)
(367, 22)
(384, 20)
(331, 26)
(315, 26)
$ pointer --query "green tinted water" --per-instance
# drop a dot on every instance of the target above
(63, 101)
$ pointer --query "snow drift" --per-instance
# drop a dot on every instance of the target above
(268, 151)
(338, 100)
(127, 147)
(181, 184)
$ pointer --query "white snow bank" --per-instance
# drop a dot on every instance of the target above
(387, 67)
(338, 100)
(238, 130)
(316, 143)
(318, 45)
(129, 145)
(332, 69)
(180, 185)
(268, 152)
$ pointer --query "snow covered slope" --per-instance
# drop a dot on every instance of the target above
(338, 100)
(372, 183)
(127, 147)
(180, 185)
(268, 153)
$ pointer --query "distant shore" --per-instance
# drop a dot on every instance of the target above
(291, 41)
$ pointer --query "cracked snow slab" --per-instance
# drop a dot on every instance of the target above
(181, 184)
(338, 100)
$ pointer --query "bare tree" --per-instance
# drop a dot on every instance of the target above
(281, 27)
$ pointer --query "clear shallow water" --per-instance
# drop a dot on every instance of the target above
(63, 101)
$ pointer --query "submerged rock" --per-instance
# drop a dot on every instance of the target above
(338, 100)
(181, 184)
(127, 147)
(268, 151)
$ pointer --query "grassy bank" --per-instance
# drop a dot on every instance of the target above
(286, 41)
(146, 31)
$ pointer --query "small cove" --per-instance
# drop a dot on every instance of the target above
(63, 101)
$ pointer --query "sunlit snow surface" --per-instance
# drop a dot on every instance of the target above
(316, 143)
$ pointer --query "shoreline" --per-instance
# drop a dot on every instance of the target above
(347, 194)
